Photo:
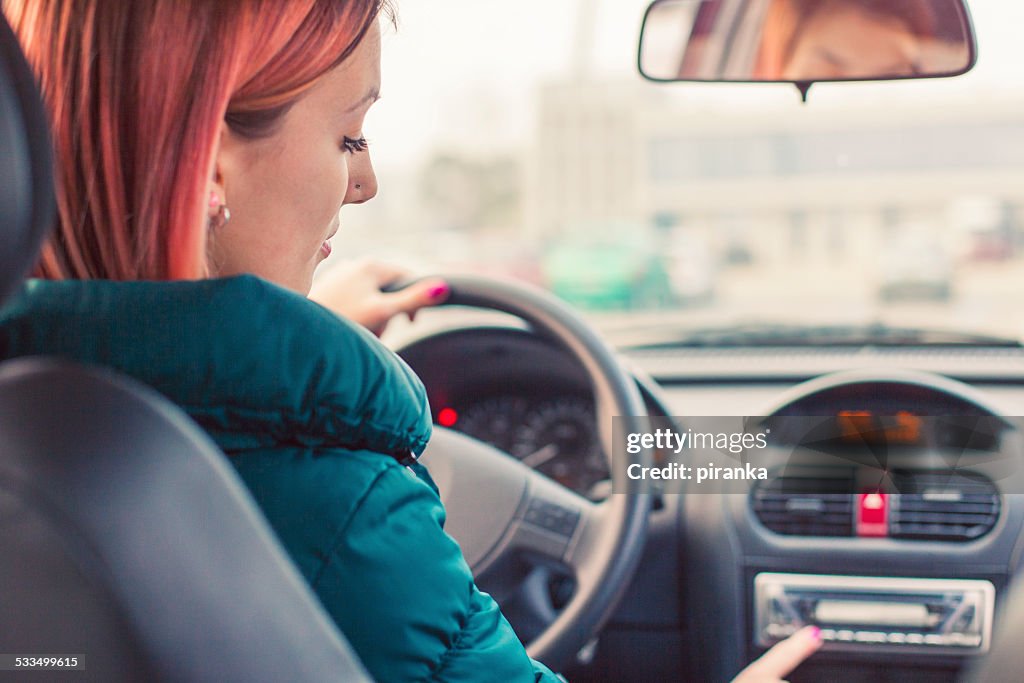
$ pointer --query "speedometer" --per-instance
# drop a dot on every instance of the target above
(555, 436)
(494, 420)
(559, 438)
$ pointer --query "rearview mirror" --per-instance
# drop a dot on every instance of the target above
(805, 41)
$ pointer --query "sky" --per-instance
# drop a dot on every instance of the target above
(460, 74)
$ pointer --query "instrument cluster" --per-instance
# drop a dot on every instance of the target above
(555, 435)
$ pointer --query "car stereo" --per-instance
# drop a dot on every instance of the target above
(872, 614)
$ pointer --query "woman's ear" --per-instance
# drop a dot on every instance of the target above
(216, 194)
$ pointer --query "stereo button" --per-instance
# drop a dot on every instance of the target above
(965, 640)
(780, 630)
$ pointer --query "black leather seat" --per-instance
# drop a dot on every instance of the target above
(125, 537)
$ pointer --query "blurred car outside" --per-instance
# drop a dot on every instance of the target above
(599, 275)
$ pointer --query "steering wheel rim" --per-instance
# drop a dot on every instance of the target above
(607, 543)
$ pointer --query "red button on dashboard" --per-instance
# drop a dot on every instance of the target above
(873, 514)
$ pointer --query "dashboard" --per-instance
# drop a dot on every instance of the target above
(697, 609)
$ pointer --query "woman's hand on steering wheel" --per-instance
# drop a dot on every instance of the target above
(773, 665)
(353, 290)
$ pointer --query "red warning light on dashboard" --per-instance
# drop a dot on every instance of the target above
(447, 417)
(873, 514)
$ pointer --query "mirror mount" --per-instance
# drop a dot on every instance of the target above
(804, 87)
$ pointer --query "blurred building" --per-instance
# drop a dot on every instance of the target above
(797, 183)
(587, 167)
(834, 183)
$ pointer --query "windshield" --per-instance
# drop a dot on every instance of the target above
(518, 139)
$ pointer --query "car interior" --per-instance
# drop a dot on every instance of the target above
(891, 515)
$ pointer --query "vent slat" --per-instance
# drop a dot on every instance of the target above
(940, 518)
(803, 516)
(838, 497)
(787, 510)
(913, 505)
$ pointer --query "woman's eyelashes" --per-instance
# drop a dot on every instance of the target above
(354, 145)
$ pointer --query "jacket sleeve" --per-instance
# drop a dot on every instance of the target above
(400, 590)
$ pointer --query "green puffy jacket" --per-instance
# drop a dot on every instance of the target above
(315, 414)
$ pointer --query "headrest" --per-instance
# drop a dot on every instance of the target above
(26, 180)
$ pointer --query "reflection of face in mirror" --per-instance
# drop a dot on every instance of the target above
(850, 39)
(804, 40)
(850, 42)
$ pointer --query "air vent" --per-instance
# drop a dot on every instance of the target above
(943, 507)
(807, 505)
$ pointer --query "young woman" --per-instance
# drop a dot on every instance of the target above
(201, 139)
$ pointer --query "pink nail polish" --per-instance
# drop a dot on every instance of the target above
(438, 292)
(815, 633)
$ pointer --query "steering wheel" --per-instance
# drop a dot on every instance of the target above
(503, 513)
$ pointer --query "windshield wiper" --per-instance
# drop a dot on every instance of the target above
(761, 335)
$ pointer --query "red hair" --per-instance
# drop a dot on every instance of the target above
(137, 93)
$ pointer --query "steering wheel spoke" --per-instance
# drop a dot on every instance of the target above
(551, 521)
